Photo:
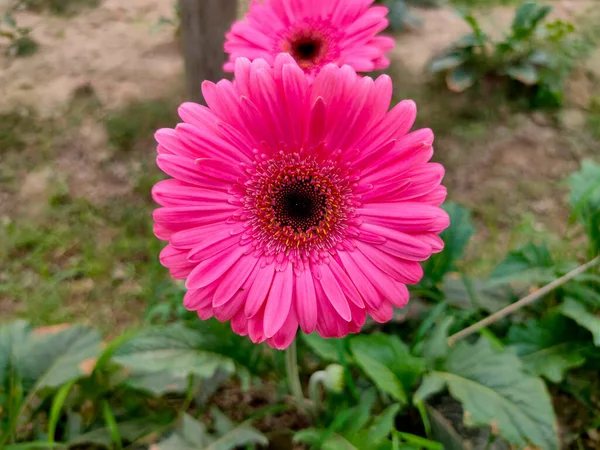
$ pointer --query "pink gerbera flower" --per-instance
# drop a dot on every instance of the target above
(297, 204)
(314, 32)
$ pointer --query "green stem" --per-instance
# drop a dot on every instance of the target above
(293, 375)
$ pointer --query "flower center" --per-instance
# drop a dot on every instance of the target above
(306, 49)
(297, 205)
(300, 206)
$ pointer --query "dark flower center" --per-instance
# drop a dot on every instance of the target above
(300, 206)
(306, 49)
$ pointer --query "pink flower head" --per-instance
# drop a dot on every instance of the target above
(314, 32)
(296, 203)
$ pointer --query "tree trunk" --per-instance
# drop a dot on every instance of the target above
(203, 27)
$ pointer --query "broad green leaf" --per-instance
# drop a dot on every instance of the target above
(400, 16)
(326, 349)
(460, 79)
(324, 440)
(56, 355)
(576, 311)
(472, 294)
(381, 375)
(129, 431)
(383, 424)
(530, 264)
(436, 344)
(443, 431)
(9, 20)
(240, 436)
(194, 432)
(222, 423)
(192, 435)
(585, 186)
(388, 363)
(525, 73)
(12, 336)
(546, 347)
(494, 389)
(158, 383)
(527, 17)
(173, 349)
(362, 412)
(313, 436)
(585, 201)
(455, 238)
(590, 296)
(447, 62)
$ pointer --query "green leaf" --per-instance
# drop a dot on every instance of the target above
(315, 437)
(34, 446)
(194, 432)
(382, 376)
(420, 442)
(460, 79)
(192, 435)
(529, 265)
(576, 311)
(455, 238)
(546, 347)
(525, 73)
(12, 336)
(470, 294)
(9, 20)
(111, 425)
(447, 62)
(383, 424)
(587, 295)
(52, 356)
(436, 345)
(585, 186)
(585, 201)
(527, 18)
(388, 363)
(172, 349)
(56, 409)
(129, 431)
(494, 389)
(326, 349)
(240, 436)
(159, 383)
(443, 431)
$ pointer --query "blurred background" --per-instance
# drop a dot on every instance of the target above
(512, 93)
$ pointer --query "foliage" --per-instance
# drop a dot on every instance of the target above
(157, 387)
(400, 16)
(533, 60)
(193, 435)
(20, 41)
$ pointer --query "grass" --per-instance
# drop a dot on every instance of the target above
(138, 121)
(60, 7)
(13, 128)
(69, 259)
(594, 118)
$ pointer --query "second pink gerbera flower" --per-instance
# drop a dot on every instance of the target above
(297, 204)
(314, 32)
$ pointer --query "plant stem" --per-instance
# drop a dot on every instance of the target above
(293, 375)
(523, 302)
